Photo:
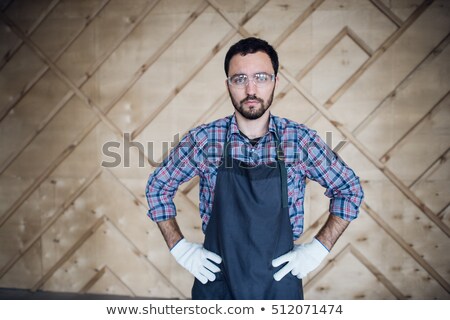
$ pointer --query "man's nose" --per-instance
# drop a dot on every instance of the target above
(250, 88)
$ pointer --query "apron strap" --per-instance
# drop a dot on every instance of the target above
(283, 172)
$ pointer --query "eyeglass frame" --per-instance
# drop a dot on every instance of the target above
(259, 85)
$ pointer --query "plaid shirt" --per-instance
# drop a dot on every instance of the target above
(306, 156)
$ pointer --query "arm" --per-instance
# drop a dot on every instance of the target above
(170, 231)
(180, 166)
(341, 185)
(331, 231)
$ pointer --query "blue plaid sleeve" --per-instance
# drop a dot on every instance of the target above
(180, 166)
(341, 183)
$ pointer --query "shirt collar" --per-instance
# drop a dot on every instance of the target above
(233, 129)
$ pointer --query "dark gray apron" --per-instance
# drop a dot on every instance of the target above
(249, 227)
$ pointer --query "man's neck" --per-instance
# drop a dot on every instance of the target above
(253, 128)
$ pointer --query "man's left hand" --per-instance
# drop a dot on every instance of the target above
(303, 259)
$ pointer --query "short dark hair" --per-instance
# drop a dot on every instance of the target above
(251, 45)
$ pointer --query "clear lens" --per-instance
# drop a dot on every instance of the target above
(239, 80)
(261, 78)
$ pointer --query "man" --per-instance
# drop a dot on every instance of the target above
(252, 168)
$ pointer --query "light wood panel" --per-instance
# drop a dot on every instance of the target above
(75, 75)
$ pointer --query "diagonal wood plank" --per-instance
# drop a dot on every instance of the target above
(408, 248)
(50, 222)
(103, 277)
(388, 12)
(79, 260)
(6, 58)
(69, 253)
(88, 74)
(45, 68)
(347, 252)
(379, 52)
(422, 64)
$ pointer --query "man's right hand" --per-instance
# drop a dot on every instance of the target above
(196, 259)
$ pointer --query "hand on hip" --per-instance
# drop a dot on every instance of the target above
(197, 260)
(303, 259)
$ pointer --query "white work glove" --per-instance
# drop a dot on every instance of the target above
(195, 259)
(303, 259)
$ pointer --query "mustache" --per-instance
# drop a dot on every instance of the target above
(252, 97)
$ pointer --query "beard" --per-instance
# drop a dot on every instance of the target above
(254, 112)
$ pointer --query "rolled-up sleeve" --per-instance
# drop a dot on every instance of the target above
(341, 183)
(180, 166)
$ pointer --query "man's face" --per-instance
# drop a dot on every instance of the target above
(251, 101)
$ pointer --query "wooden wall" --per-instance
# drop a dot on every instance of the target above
(75, 74)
